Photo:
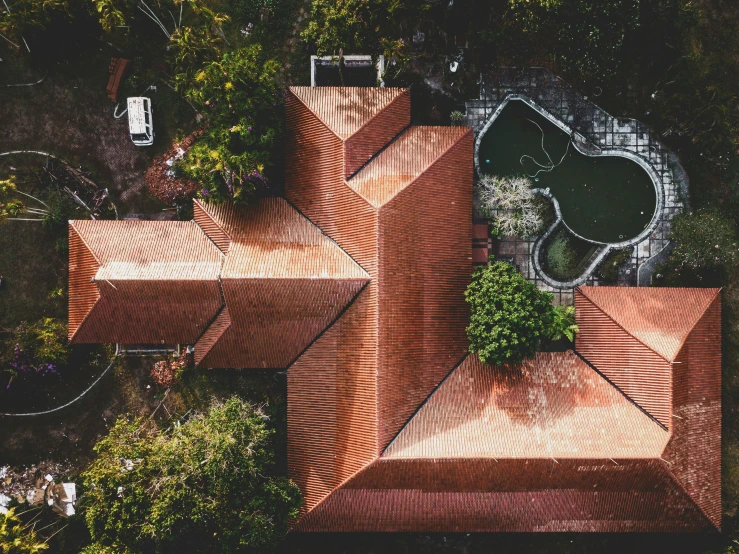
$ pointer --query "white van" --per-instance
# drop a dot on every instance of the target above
(140, 122)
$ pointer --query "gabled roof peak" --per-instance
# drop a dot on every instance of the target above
(345, 110)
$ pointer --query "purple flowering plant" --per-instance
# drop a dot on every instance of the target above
(34, 350)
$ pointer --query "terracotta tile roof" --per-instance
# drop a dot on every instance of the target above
(283, 281)
(345, 110)
(273, 320)
(552, 406)
(360, 293)
(150, 312)
(660, 318)
(270, 239)
(83, 292)
(403, 161)
(642, 374)
(485, 495)
(150, 250)
(156, 282)
(332, 403)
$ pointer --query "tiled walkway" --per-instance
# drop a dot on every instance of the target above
(604, 131)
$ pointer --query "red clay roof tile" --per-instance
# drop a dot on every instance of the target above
(551, 406)
(345, 110)
(661, 318)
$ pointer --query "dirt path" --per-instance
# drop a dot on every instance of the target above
(71, 117)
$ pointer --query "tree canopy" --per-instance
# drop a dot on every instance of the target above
(204, 486)
(509, 315)
(241, 98)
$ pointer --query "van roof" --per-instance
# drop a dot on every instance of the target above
(136, 123)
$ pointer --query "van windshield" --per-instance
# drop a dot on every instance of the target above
(139, 137)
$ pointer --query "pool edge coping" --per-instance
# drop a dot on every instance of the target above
(606, 247)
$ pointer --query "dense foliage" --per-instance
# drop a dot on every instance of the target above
(563, 324)
(242, 102)
(17, 537)
(509, 315)
(39, 348)
(204, 486)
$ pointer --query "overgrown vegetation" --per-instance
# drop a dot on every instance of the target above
(205, 486)
(509, 316)
(242, 100)
(609, 268)
(19, 537)
(511, 203)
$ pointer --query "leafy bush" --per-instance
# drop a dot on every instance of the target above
(242, 99)
(610, 266)
(17, 537)
(563, 324)
(509, 315)
(35, 349)
(204, 486)
(704, 240)
(512, 200)
(590, 37)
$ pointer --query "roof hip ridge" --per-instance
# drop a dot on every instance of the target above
(609, 316)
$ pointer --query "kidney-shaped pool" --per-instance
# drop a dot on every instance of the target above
(606, 198)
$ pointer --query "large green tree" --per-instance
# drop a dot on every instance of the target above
(241, 99)
(205, 486)
(509, 316)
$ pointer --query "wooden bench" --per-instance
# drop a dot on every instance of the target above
(117, 69)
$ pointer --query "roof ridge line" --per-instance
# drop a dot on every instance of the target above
(208, 214)
(339, 486)
(90, 250)
(331, 324)
(622, 327)
(615, 386)
(294, 207)
(422, 404)
(376, 154)
(417, 177)
(223, 308)
(318, 117)
(402, 90)
(708, 305)
(677, 482)
(92, 253)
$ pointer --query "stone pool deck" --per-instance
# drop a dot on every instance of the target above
(605, 132)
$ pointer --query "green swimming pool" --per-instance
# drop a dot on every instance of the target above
(604, 199)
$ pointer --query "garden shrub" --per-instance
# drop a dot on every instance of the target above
(16, 537)
(563, 324)
(206, 485)
(610, 266)
(508, 315)
(35, 349)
